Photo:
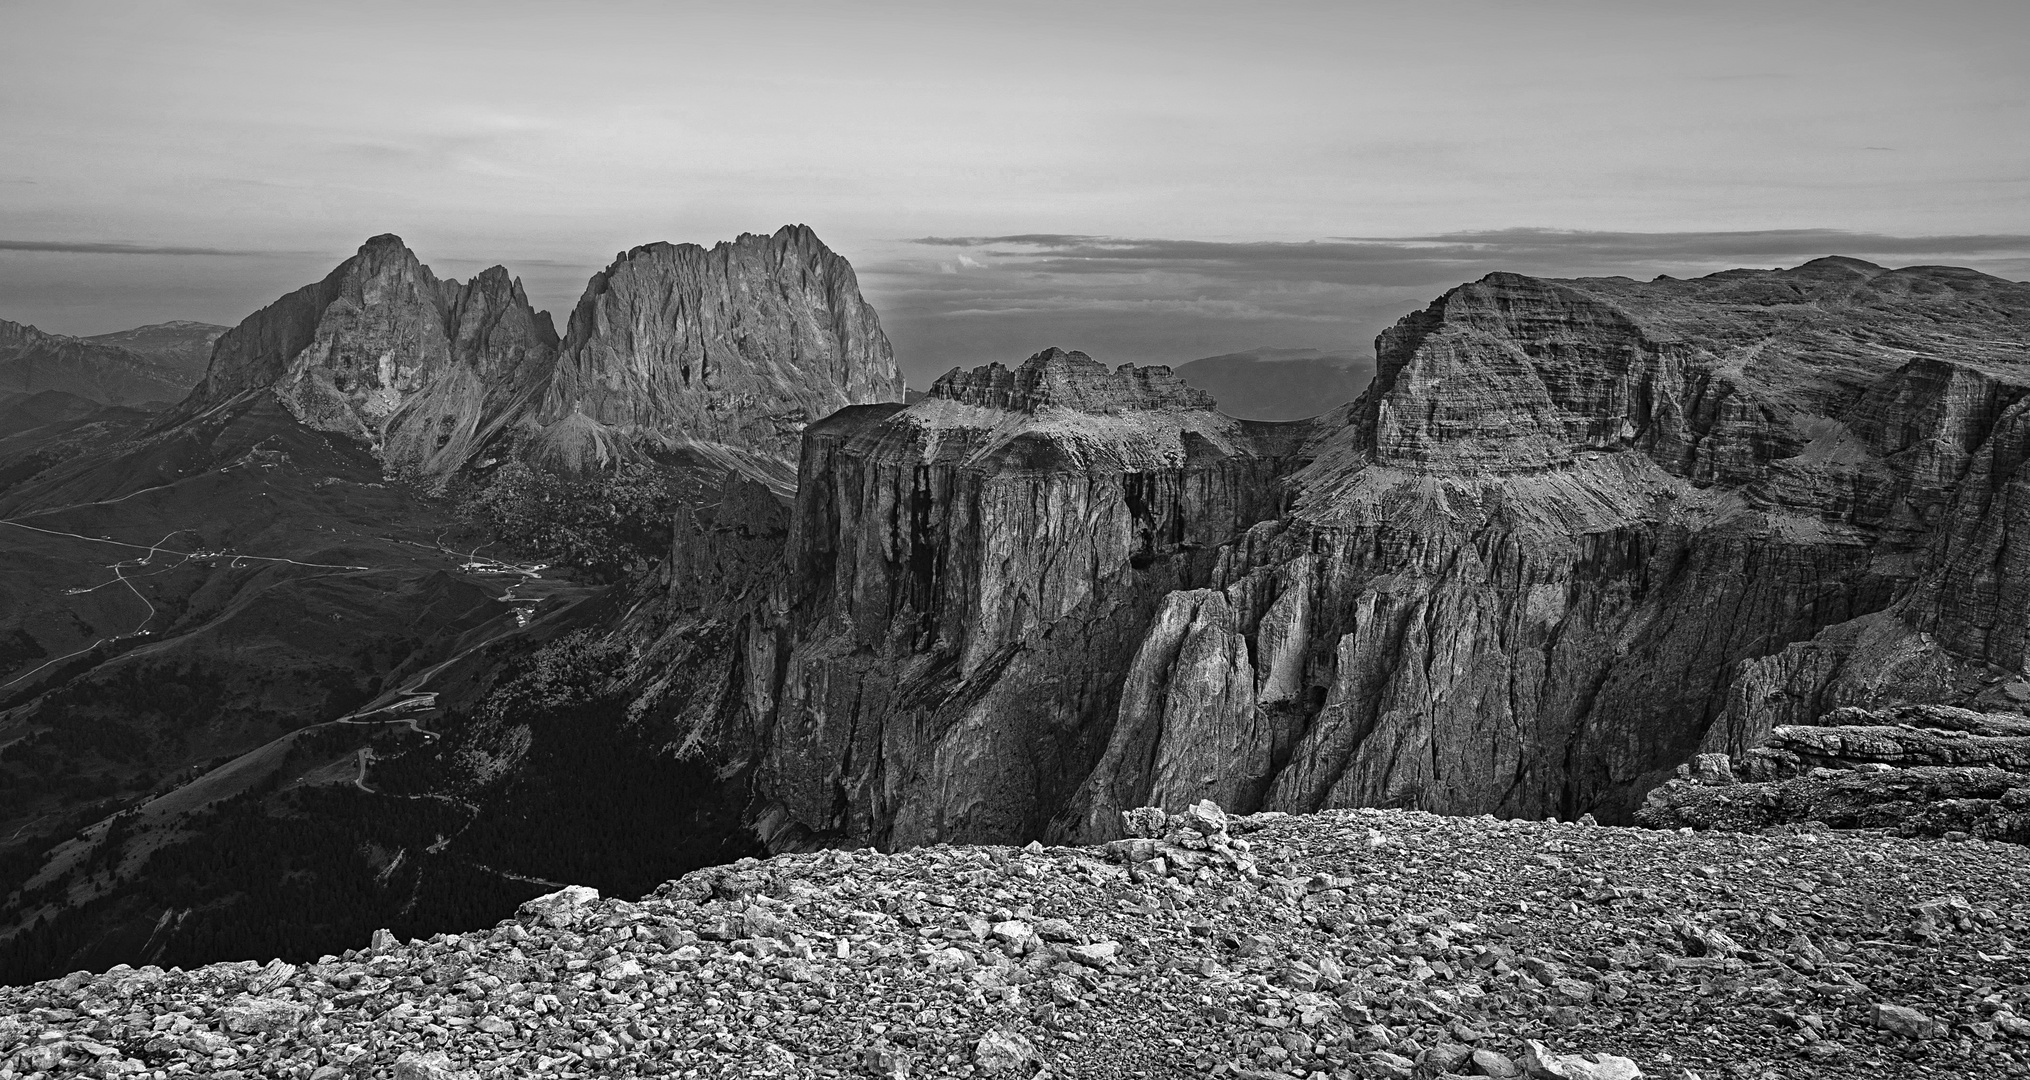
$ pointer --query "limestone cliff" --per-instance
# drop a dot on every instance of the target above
(964, 581)
(1568, 519)
(1573, 533)
(740, 345)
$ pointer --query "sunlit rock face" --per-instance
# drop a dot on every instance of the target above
(426, 371)
(729, 350)
(739, 345)
(1574, 533)
(1571, 523)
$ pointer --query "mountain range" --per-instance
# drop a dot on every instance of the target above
(157, 363)
(1279, 384)
(416, 608)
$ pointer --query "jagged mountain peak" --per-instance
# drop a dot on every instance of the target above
(800, 236)
(423, 369)
(1057, 379)
(741, 344)
(383, 242)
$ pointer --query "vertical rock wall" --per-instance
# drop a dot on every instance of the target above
(1569, 520)
(1573, 533)
(741, 345)
(966, 584)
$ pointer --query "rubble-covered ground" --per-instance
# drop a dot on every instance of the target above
(1344, 944)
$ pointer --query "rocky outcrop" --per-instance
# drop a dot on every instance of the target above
(32, 361)
(728, 547)
(1055, 379)
(1919, 770)
(740, 345)
(980, 516)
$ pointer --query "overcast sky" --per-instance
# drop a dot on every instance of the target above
(1149, 182)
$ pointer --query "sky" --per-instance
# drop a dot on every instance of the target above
(1149, 182)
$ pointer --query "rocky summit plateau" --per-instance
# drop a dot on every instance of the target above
(910, 718)
(1353, 943)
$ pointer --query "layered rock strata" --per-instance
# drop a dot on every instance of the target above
(1532, 568)
(1573, 534)
(1917, 770)
(964, 581)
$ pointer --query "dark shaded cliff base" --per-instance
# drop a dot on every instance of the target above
(1347, 944)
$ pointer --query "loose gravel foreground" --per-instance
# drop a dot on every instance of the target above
(1343, 944)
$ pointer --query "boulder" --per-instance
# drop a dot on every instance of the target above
(1905, 1021)
(1000, 1052)
(561, 908)
(1540, 1063)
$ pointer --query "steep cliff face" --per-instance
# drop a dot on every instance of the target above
(740, 345)
(1569, 520)
(963, 582)
(1573, 533)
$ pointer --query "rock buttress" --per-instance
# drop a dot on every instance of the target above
(965, 584)
(1531, 569)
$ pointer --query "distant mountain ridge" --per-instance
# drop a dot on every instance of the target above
(1279, 384)
(182, 344)
(422, 370)
(149, 363)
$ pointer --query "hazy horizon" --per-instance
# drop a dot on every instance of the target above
(1149, 183)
